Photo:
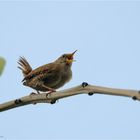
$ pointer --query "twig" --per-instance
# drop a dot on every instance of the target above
(81, 89)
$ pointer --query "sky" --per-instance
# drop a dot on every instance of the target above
(106, 35)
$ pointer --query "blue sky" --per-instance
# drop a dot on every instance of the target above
(106, 35)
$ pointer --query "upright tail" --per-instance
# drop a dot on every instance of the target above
(24, 66)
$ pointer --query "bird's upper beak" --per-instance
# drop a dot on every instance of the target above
(69, 59)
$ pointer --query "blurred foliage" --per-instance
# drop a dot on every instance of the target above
(2, 64)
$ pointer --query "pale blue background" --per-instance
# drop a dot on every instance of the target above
(107, 37)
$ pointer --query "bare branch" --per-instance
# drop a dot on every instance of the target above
(81, 89)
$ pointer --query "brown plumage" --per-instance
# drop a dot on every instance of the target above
(48, 77)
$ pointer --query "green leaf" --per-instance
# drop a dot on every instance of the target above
(2, 64)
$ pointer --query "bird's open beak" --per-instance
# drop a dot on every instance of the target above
(70, 57)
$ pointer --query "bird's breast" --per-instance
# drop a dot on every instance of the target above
(65, 76)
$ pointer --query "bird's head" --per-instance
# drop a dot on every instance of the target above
(66, 58)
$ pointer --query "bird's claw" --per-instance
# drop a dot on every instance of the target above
(84, 84)
(48, 94)
(32, 94)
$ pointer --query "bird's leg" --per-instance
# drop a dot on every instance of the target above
(37, 83)
(49, 89)
(49, 93)
(33, 93)
(41, 84)
(38, 92)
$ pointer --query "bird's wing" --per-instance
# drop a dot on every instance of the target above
(40, 72)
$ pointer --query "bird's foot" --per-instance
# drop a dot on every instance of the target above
(38, 92)
(50, 91)
(35, 93)
(84, 84)
(32, 94)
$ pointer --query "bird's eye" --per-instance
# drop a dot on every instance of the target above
(64, 56)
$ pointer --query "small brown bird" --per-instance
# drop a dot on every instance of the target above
(48, 77)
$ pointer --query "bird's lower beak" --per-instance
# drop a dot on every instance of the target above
(69, 61)
(70, 58)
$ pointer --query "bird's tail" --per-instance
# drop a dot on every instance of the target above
(24, 66)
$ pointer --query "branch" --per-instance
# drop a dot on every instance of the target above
(81, 89)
